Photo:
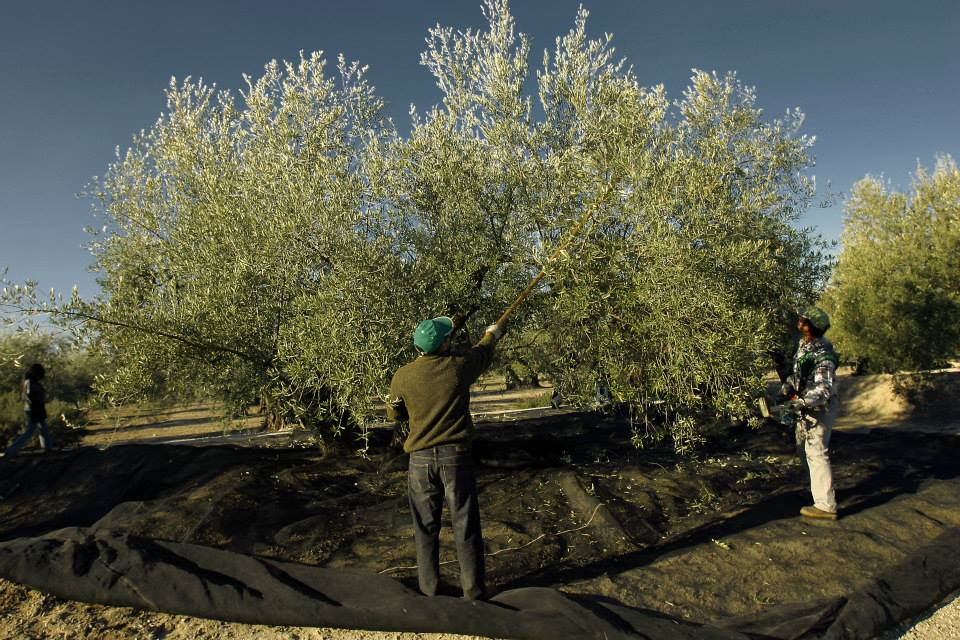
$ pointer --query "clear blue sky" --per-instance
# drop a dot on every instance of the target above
(879, 81)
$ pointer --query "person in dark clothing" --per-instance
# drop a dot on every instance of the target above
(35, 409)
(433, 394)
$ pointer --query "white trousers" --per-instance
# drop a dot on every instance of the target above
(813, 445)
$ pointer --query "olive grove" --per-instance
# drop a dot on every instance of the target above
(71, 374)
(282, 247)
(895, 293)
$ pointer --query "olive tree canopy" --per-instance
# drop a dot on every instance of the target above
(285, 246)
(674, 291)
(895, 294)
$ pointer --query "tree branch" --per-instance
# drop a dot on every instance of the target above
(204, 346)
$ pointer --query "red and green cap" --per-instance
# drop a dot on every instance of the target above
(430, 334)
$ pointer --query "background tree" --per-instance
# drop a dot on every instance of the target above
(71, 371)
(895, 295)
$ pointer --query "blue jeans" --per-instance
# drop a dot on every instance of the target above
(24, 437)
(443, 473)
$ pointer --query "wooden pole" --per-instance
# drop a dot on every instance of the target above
(566, 240)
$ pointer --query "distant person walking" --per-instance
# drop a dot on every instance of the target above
(433, 394)
(811, 392)
(35, 409)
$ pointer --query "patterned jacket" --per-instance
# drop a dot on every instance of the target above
(814, 374)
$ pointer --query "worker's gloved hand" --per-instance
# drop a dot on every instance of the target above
(400, 431)
(795, 406)
(497, 330)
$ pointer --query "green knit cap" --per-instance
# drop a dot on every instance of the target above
(430, 334)
(817, 317)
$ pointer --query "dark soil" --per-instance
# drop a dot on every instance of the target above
(566, 502)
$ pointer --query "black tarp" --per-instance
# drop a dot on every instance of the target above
(124, 570)
(257, 536)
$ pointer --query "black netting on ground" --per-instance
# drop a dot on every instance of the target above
(123, 570)
(287, 537)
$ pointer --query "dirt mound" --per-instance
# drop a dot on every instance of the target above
(927, 403)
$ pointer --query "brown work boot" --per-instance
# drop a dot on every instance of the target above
(820, 514)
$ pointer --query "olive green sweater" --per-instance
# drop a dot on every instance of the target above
(433, 393)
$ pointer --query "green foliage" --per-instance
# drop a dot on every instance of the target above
(672, 293)
(70, 375)
(284, 248)
(238, 245)
(536, 402)
(895, 296)
(71, 370)
(11, 415)
(64, 420)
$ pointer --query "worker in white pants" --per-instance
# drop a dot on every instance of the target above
(811, 393)
(813, 445)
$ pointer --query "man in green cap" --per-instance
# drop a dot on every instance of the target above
(810, 393)
(433, 394)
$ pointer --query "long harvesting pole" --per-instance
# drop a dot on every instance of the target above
(567, 239)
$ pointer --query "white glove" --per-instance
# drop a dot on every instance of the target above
(496, 330)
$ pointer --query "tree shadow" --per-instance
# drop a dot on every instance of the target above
(899, 477)
(783, 505)
(159, 427)
(81, 486)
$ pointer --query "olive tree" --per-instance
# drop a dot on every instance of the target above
(895, 294)
(285, 247)
(671, 292)
(227, 228)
